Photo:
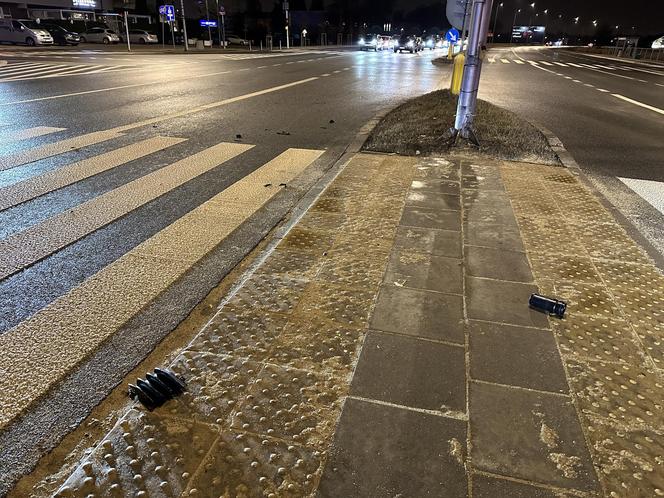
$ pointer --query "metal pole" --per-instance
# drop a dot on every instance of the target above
(495, 22)
(172, 34)
(127, 31)
(223, 28)
(184, 27)
(471, 73)
(163, 35)
(287, 28)
(218, 24)
(463, 25)
(207, 17)
(513, 23)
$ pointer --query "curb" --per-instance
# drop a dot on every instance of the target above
(568, 162)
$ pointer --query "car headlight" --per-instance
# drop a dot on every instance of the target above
(361, 42)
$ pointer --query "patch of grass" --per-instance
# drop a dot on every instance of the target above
(422, 126)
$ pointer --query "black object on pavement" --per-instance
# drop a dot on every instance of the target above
(157, 388)
(548, 305)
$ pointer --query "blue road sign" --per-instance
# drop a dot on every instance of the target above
(168, 11)
(205, 24)
(452, 35)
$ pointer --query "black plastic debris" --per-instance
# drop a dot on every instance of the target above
(283, 133)
(548, 305)
(238, 137)
(157, 388)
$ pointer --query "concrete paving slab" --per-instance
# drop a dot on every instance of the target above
(416, 270)
(429, 241)
(498, 264)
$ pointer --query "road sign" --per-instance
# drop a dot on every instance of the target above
(206, 24)
(456, 11)
(168, 11)
(452, 35)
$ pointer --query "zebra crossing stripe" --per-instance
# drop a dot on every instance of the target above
(25, 248)
(18, 135)
(43, 349)
(27, 190)
(575, 65)
(546, 63)
(560, 64)
(505, 61)
(53, 149)
(518, 61)
(41, 74)
(11, 71)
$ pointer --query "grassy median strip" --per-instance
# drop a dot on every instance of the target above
(422, 126)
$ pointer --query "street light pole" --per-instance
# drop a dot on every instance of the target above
(218, 24)
(287, 24)
(495, 21)
(207, 17)
(184, 27)
(514, 24)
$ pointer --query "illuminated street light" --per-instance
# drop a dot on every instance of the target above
(495, 20)
(518, 11)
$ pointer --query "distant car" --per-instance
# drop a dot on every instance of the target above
(140, 36)
(371, 42)
(99, 35)
(62, 36)
(658, 44)
(408, 42)
(236, 40)
(24, 31)
(431, 42)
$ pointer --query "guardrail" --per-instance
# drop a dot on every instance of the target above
(649, 54)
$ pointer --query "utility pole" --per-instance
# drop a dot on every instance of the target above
(207, 17)
(287, 24)
(184, 27)
(127, 31)
(479, 24)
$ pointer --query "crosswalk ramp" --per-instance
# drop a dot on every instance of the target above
(40, 350)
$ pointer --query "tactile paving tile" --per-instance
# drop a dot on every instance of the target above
(143, 456)
(587, 299)
(321, 220)
(292, 263)
(360, 246)
(241, 332)
(631, 463)
(314, 344)
(270, 292)
(560, 178)
(296, 406)
(215, 385)
(346, 307)
(627, 396)
(549, 240)
(538, 208)
(377, 227)
(597, 338)
(245, 465)
(563, 267)
(608, 241)
(349, 271)
(309, 240)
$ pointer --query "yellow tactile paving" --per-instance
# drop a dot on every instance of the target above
(43, 349)
(37, 131)
(53, 149)
(68, 175)
(25, 248)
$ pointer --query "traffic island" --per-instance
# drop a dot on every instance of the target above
(422, 126)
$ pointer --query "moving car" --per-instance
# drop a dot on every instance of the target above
(431, 42)
(141, 37)
(371, 42)
(24, 31)
(62, 36)
(409, 43)
(99, 35)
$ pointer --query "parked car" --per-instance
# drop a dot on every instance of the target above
(62, 36)
(99, 35)
(24, 31)
(140, 36)
(236, 40)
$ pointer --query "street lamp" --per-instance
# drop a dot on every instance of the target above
(532, 6)
(514, 24)
(495, 20)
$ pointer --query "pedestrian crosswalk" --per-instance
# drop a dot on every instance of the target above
(82, 318)
(21, 71)
(567, 64)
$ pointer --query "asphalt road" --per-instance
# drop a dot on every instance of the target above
(78, 219)
(618, 143)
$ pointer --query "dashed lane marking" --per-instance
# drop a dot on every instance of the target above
(22, 249)
(18, 135)
(640, 104)
(27, 190)
(603, 90)
(40, 351)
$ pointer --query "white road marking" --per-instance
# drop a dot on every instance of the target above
(325, 75)
(589, 85)
(649, 190)
(505, 61)
(519, 62)
(568, 77)
(492, 60)
(640, 104)
(574, 65)
(603, 91)
(560, 64)
(576, 81)
(614, 74)
(658, 73)
(15, 136)
(546, 63)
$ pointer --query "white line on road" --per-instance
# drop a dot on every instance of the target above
(574, 65)
(16, 136)
(651, 191)
(576, 81)
(519, 62)
(325, 75)
(640, 104)
(560, 64)
(505, 61)
(546, 63)
(589, 85)
(614, 74)
(603, 91)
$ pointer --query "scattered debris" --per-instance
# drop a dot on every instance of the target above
(456, 450)
(157, 388)
(331, 121)
(283, 185)
(238, 137)
(548, 305)
(566, 464)
(548, 436)
(283, 133)
(267, 185)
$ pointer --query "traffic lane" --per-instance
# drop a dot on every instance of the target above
(604, 134)
(614, 82)
(12, 91)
